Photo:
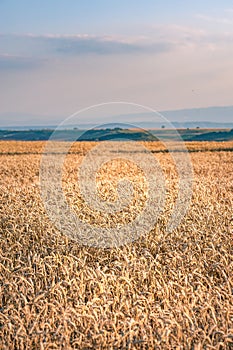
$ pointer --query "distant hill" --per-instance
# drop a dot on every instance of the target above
(117, 133)
(196, 134)
(215, 136)
(38, 135)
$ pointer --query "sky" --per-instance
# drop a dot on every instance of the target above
(57, 57)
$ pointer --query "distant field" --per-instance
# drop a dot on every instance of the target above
(31, 147)
(164, 291)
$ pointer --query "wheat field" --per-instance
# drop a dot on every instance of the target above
(166, 290)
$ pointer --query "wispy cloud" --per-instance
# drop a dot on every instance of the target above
(219, 20)
(27, 51)
(100, 45)
(14, 62)
(229, 10)
(195, 37)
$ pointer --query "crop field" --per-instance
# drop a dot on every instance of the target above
(165, 290)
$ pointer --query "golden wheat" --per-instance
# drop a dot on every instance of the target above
(164, 291)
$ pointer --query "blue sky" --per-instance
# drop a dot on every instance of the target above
(57, 57)
(98, 15)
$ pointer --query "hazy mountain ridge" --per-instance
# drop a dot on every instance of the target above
(210, 117)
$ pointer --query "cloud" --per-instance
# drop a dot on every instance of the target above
(219, 20)
(13, 62)
(28, 51)
(229, 10)
(195, 38)
(99, 45)
(106, 47)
